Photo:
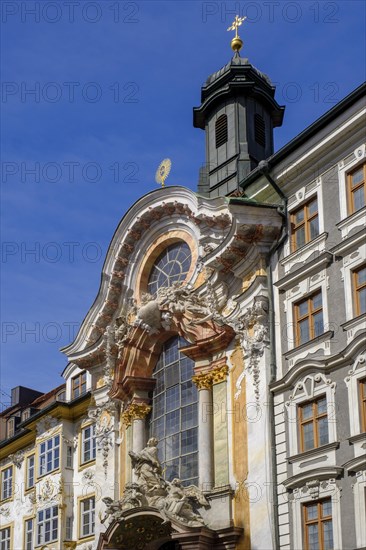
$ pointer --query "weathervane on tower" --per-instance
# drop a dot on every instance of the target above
(236, 43)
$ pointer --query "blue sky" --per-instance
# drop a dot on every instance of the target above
(114, 84)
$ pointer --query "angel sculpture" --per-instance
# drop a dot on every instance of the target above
(178, 503)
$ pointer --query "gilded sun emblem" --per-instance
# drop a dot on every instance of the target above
(163, 172)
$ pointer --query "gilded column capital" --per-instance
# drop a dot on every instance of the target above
(203, 380)
(135, 411)
(219, 374)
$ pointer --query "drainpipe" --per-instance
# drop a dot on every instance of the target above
(265, 169)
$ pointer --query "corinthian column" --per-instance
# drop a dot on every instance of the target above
(203, 382)
(135, 415)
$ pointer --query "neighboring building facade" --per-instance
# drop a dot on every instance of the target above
(215, 396)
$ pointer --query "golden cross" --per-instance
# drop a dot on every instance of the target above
(236, 23)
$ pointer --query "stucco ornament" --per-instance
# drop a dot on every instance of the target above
(88, 477)
(156, 312)
(5, 511)
(114, 340)
(17, 458)
(253, 331)
(50, 490)
(104, 427)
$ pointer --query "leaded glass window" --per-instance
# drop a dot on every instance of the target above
(174, 419)
(170, 267)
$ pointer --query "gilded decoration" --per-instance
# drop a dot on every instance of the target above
(135, 411)
(219, 374)
(205, 380)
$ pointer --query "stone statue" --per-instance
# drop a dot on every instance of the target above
(172, 499)
(178, 505)
(148, 471)
(113, 510)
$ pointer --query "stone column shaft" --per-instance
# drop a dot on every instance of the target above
(205, 439)
(138, 434)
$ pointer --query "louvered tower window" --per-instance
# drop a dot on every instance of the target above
(221, 130)
(259, 130)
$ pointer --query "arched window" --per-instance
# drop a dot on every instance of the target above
(174, 418)
(170, 267)
(221, 131)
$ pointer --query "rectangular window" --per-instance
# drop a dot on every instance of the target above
(10, 427)
(28, 534)
(88, 444)
(30, 472)
(359, 290)
(69, 523)
(5, 539)
(313, 422)
(26, 414)
(69, 456)
(356, 189)
(362, 385)
(318, 525)
(61, 396)
(309, 318)
(78, 385)
(304, 224)
(7, 483)
(49, 455)
(47, 525)
(87, 517)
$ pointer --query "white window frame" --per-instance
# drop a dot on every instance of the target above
(42, 524)
(90, 514)
(91, 440)
(359, 491)
(5, 538)
(7, 483)
(343, 169)
(69, 527)
(69, 456)
(71, 372)
(355, 374)
(306, 287)
(29, 544)
(307, 494)
(351, 262)
(30, 468)
(307, 389)
(301, 197)
(43, 455)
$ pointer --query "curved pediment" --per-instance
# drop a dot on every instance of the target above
(221, 233)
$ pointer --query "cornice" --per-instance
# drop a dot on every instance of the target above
(308, 345)
(292, 278)
(313, 453)
(324, 366)
(355, 464)
(326, 472)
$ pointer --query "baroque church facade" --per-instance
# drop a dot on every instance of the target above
(215, 394)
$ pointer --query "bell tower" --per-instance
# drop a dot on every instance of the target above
(238, 112)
